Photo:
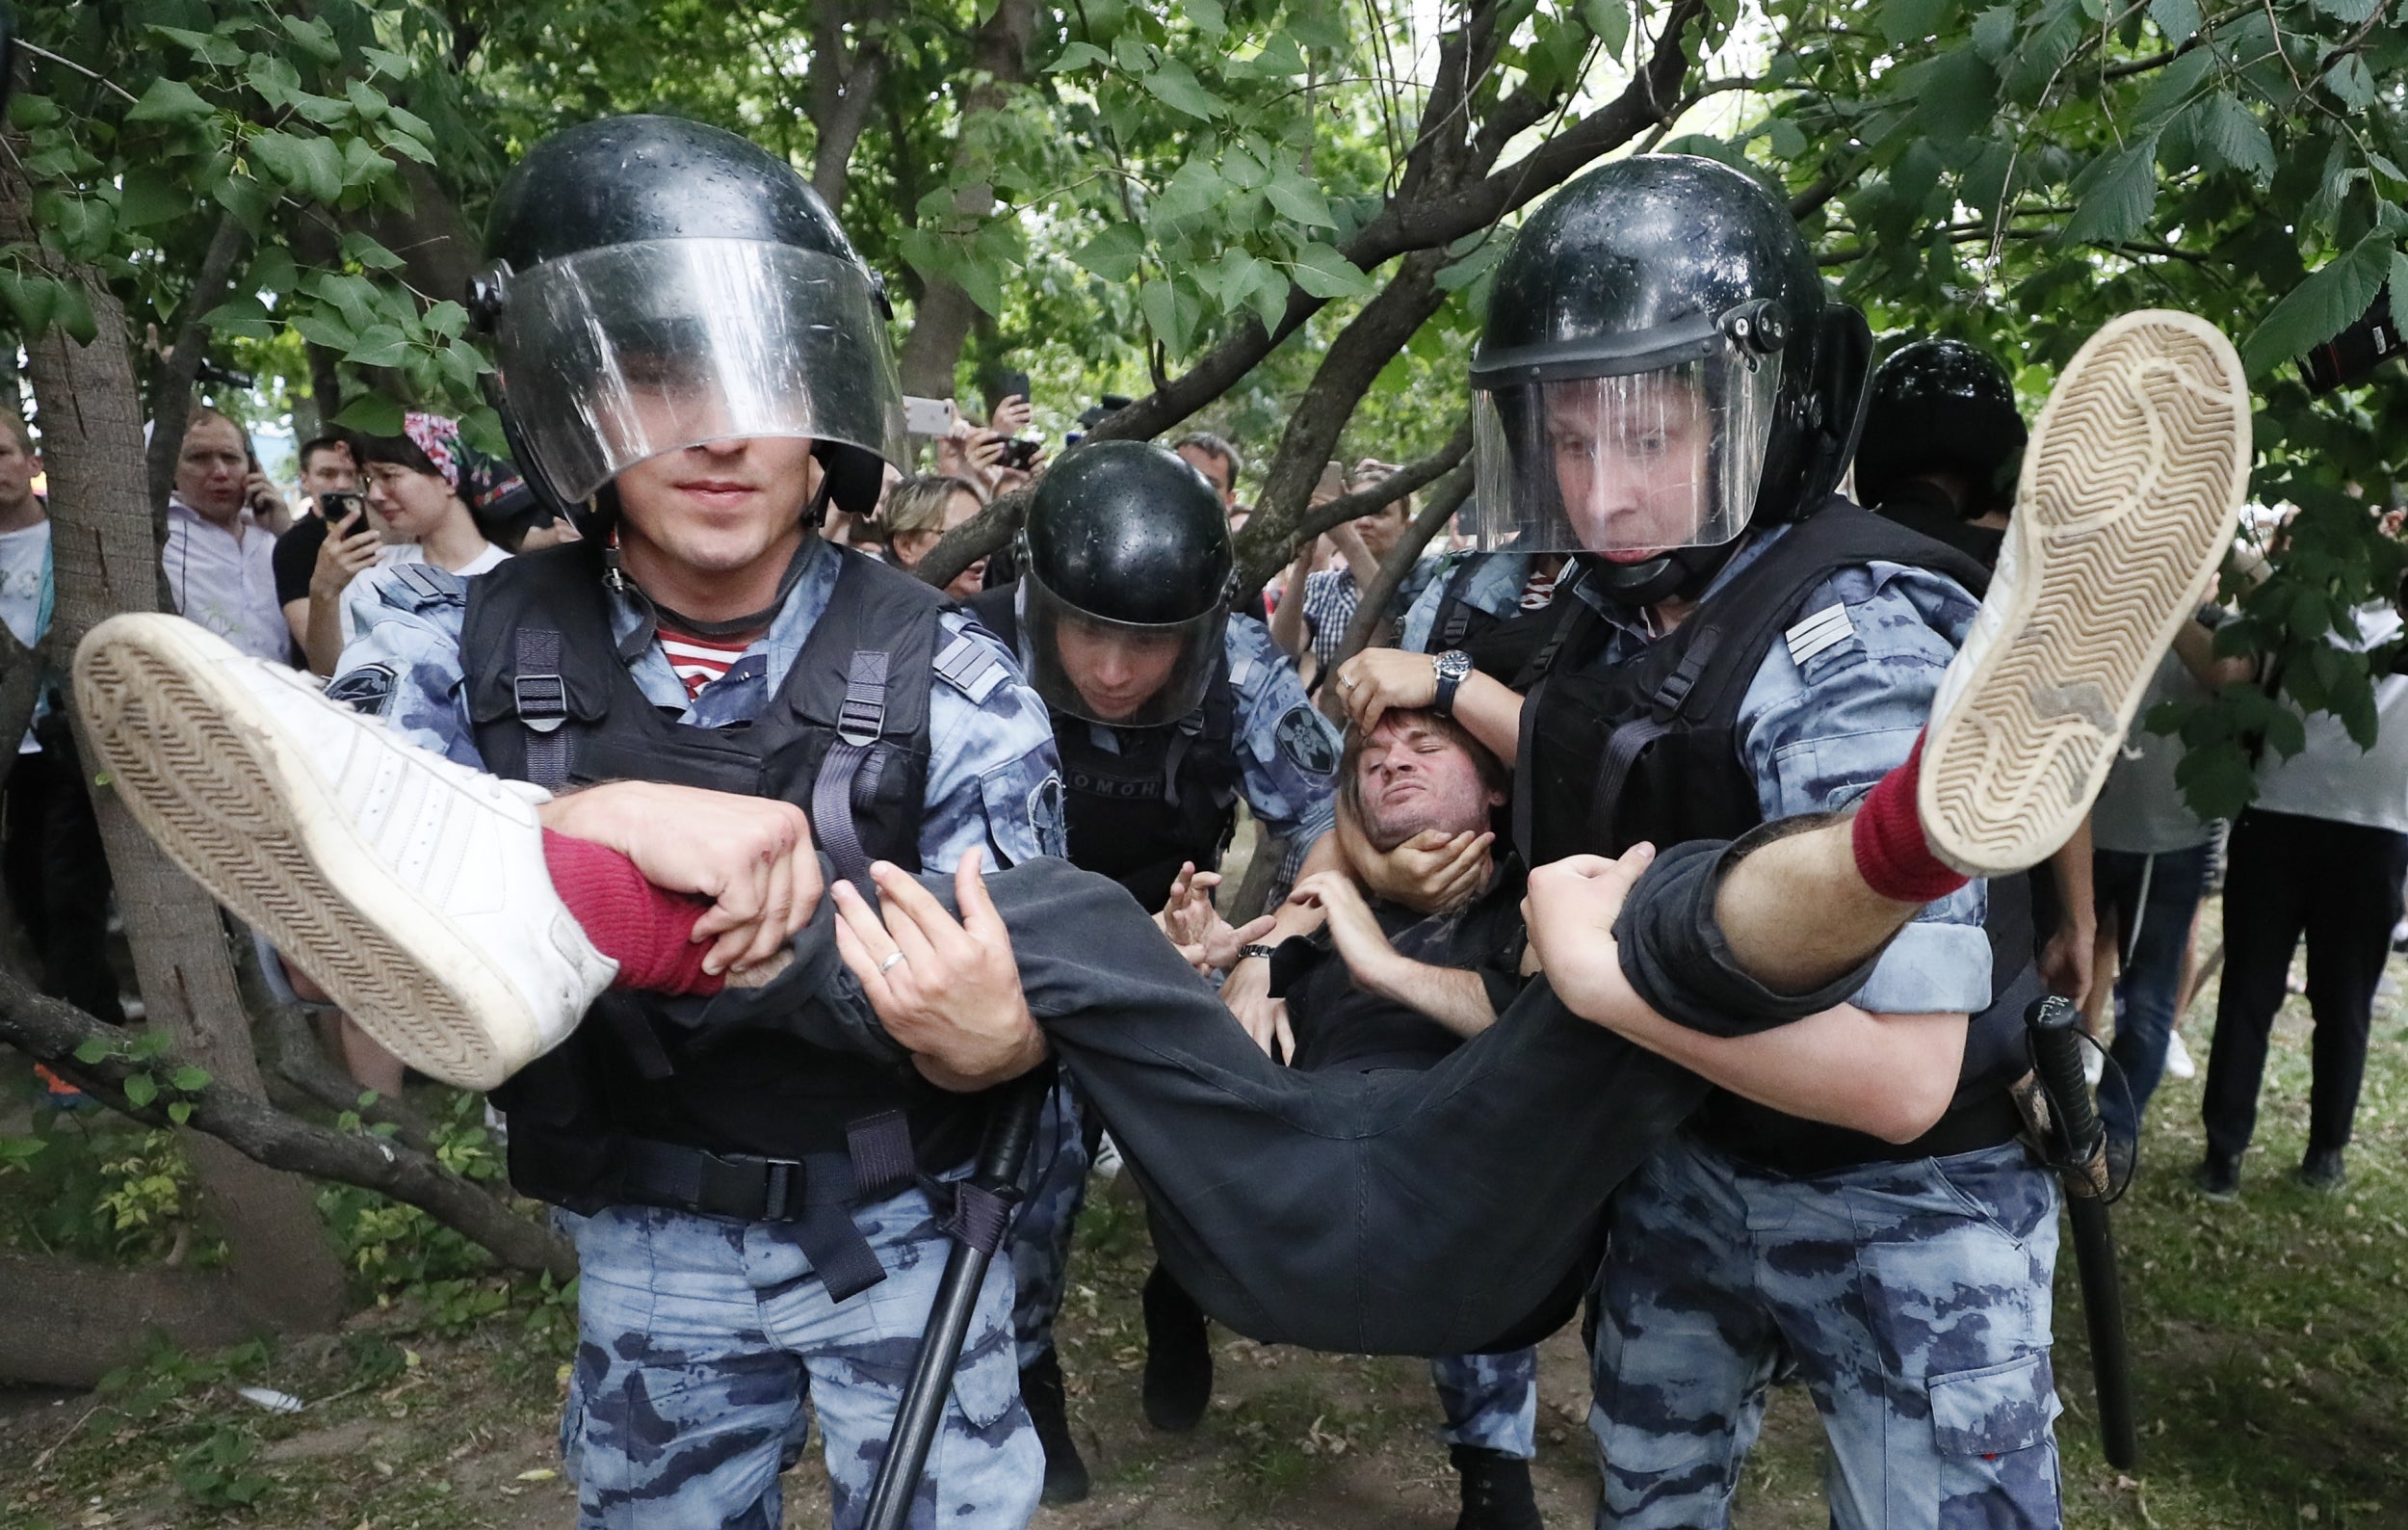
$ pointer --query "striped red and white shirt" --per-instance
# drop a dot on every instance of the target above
(698, 661)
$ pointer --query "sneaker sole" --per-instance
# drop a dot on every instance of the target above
(2130, 493)
(200, 764)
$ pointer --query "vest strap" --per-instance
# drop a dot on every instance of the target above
(543, 700)
(859, 723)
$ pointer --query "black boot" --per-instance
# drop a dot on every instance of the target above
(1178, 1355)
(1496, 1491)
(2322, 1170)
(2218, 1177)
(1048, 1410)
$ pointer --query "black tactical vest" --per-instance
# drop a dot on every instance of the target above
(1172, 795)
(846, 738)
(1649, 750)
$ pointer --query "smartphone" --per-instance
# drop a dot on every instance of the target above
(1333, 481)
(928, 416)
(1004, 383)
(1020, 451)
(337, 506)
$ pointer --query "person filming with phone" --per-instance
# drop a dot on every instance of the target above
(220, 544)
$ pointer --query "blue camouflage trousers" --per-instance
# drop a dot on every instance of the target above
(1489, 1400)
(1054, 1189)
(700, 1338)
(1914, 1296)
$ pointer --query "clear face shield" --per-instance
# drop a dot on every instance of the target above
(617, 354)
(1625, 458)
(1123, 674)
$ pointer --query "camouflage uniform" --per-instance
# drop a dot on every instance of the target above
(700, 1335)
(1493, 587)
(1288, 760)
(1915, 1294)
(1490, 1401)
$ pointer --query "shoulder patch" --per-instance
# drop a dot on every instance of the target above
(1304, 737)
(423, 587)
(1826, 628)
(367, 688)
(971, 666)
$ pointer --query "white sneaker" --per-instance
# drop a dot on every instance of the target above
(2178, 1062)
(412, 888)
(2129, 492)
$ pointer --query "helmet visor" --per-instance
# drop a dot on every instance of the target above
(1627, 466)
(615, 355)
(1122, 674)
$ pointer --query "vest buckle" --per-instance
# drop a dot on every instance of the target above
(543, 700)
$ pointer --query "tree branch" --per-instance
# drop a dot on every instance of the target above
(171, 398)
(982, 536)
(50, 1031)
(1373, 609)
(1255, 561)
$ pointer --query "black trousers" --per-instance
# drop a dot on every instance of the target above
(57, 875)
(2339, 884)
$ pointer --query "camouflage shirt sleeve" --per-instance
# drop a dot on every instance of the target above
(405, 663)
(1287, 750)
(1835, 708)
(994, 775)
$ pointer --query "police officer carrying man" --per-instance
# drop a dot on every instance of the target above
(691, 350)
(1665, 392)
(1167, 710)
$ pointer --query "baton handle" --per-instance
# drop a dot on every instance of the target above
(2055, 1026)
(1011, 1124)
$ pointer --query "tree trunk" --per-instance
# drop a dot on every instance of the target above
(844, 91)
(107, 560)
(942, 321)
(78, 1321)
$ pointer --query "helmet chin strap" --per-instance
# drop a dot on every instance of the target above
(616, 576)
(1679, 574)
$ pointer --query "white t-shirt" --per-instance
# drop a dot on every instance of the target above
(364, 592)
(2332, 778)
(24, 562)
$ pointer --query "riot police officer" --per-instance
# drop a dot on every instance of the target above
(1167, 709)
(1942, 442)
(694, 359)
(1665, 392)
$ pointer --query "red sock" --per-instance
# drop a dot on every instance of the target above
(1892, 855)
(644, 928)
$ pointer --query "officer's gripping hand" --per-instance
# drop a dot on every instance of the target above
(1362, 945)
(1432, 871)
(954, 999)
(1377, 679)
(1570, 908)
(752, 856)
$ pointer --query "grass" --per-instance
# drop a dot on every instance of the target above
(2270, 1336)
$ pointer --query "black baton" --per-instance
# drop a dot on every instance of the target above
(2053, 1027)
(992, 1186)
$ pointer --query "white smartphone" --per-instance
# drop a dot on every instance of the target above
(928, 416)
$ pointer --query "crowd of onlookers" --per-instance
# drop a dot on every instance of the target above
(2320, 854)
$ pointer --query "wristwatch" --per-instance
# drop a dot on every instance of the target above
(1255, 949)
(1453, 668)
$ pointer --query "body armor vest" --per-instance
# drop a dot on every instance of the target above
(1649, 750)
(846, 737)
(1170, 797)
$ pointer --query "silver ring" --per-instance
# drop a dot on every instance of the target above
(894, 960)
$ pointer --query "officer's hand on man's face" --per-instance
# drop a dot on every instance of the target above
(954, 998)
(1570, 909)
(1431, 870)
(752, 856)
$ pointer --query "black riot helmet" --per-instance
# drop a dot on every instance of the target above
(656, 284)
(1661, 370)
(1941, 406)
(1125, 566)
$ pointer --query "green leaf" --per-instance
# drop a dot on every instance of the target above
(27, 110)
(1280, 59)
(1782, 137)
(242, 316)
(280, 153)
(1078, 56)
(1175, 85)
(180, 1111)
(207, 47)
(1297, 199)
(380, 345)
(190, 1080)
(152, 196)
(2322, 307)
(2227, 130)
(2117, 193)
(141, 1089)
(2398, 283)
(246, 199)
(362, 250)
(324, 163)
(385, 61)
(1321, 25)
(312, 37)
(2350, 83)
(2349, 13)
(96, 1050)
(446, 319)
(371, 413)
(1160, 302)
(1610, 20)
(168, 102)
(1207, 16)
(1904, 21)
(1326, 273)
(1115, 254)
(366, 100)
(1958, 96)
(2177, 19)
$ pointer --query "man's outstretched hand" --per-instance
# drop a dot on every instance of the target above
(1206, 941)
(954, 1001)
(1570, 908)
(752, 856)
